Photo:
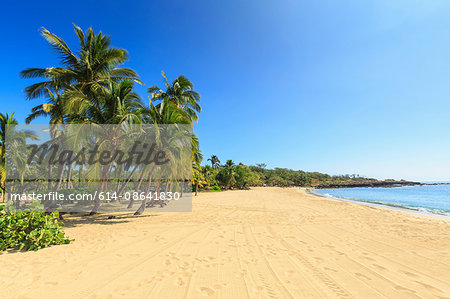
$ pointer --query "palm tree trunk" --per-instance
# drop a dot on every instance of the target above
(129, 179)
(80, 171)
(100, 189)
(138, 189)
(50, 175)
(144, 202)
(69, 174)
(60, 176)
(118, 178)
(167, 185)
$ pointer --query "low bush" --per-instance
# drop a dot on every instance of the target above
(215, 188)
(30, 230)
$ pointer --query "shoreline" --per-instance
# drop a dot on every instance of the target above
(381, 205)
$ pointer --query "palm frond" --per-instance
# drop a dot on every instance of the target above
(66, 55)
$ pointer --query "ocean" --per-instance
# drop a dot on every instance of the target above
(425, 198)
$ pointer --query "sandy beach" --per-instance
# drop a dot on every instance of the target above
(262, 243)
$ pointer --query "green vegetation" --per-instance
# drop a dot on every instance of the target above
(24, 230)
(231, 176)
(30, 231)
(5, 119)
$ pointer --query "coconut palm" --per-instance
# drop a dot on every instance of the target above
(180, 97)
(215, 162)
(165, 113)
(54, 108)
(181, 93)
(229, 164)
(89, 72)
(198, 179)
(197, 156)
(118, 104)
(5, 120)
(18, 163)
(89, 69)
(2, 178)
(231, 173)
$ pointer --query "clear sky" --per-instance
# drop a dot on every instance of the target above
(332, 86)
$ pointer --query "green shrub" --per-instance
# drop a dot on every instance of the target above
(30, 230)
(216, 188)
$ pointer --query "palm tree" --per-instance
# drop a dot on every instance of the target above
(18, 165)
(197, 177)
(118, 104)
(163, 113)
(197, 156)
(215, 162)
(181, 93)
(89, 69)
(229, 166)
(55, 108)
(5, 120)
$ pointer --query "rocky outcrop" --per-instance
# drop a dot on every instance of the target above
(379, 184)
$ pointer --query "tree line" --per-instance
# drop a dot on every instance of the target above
(215, 176)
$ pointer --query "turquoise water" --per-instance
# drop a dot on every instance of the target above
(426, 198)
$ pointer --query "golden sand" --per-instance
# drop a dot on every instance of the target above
(262, 243)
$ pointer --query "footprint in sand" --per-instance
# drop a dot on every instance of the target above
(409, 274)
(367, 258)
(429, 286)
(363, 276)
(218, 286)
(179, 282)
(400, 288)
(52, 283)
(329, 269)
(379, 267)
(318, 259)
(290, 272)
(207, 291)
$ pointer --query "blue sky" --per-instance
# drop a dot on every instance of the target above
(338, 87)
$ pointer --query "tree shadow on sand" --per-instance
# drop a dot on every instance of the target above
(73, 220)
